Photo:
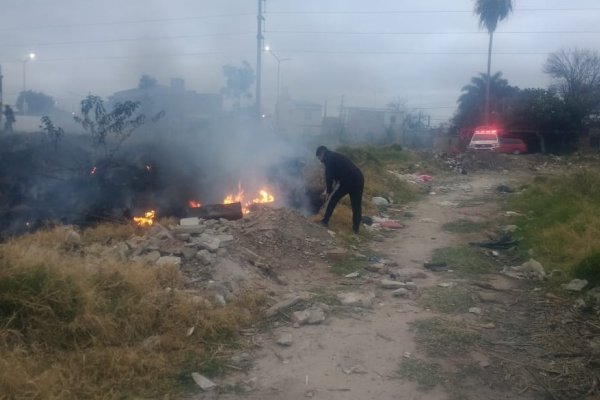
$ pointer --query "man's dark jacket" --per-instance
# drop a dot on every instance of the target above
(339, 168)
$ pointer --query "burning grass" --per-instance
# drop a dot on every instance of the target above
(74, 326)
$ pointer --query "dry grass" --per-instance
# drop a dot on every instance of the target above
(374, 163)
(74, 326)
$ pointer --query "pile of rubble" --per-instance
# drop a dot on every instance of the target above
(229, 255)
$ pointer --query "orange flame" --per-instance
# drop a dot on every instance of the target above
(194, 204)
(264, 197)
(146, 220)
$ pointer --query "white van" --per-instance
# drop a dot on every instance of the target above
(485, 138)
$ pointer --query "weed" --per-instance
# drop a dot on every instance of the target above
(589, 269)
(323, 295)
(426, 374)
(450, 300)
(464, 260)
(346, 267)
(562, 222)
(443, 337)
(465, 226)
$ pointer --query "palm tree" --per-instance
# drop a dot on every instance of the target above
(474, 95)
(490, 12)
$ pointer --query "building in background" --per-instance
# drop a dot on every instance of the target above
(184, 110)
(295, 118)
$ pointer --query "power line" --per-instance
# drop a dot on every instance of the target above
(233, 15)
(285, 32)
(125, 22)
(392, 52)
(127, 39)
(377, 12)
(138, 56)
(424, 33)
(315, 52)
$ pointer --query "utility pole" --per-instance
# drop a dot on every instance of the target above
(260, 19)
(1, 105)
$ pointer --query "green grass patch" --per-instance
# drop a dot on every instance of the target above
(441, 337)
(376, 155)
(425, 374)
(449, 300)
(323, 295)
(464, 260)
(589, 269)
(374, 161)
(346, 267)
(465, 226)
(562, 220)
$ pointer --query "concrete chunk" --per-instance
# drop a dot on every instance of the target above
(189, 221)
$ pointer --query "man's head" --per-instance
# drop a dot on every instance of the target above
(321, 150)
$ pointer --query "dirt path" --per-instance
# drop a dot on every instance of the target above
(357, 354)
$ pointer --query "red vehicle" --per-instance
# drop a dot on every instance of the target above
(511, 146)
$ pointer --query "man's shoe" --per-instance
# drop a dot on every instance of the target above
(325, 224)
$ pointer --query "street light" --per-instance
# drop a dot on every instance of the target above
(31, 56)
(279, 61)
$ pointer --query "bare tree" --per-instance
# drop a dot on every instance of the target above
(577, 76)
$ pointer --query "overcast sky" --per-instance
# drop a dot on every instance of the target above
(369, 52)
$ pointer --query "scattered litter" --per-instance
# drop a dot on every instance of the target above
(505, 242)
(352, 275)
(447, 203)
(391, 225)
(475, 310)
(407, 354)
(512, 214)
(401, 292)
(531, 269)
(446, 284)
(576, 285)
(504, 189)
(436, 267)
(380, 201)
(203, 382)
(286, 340)
(425, 178)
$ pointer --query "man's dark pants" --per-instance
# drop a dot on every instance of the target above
(355, 192)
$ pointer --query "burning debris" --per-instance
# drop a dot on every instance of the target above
(146, 220)
(264, 198)
(77, 184)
